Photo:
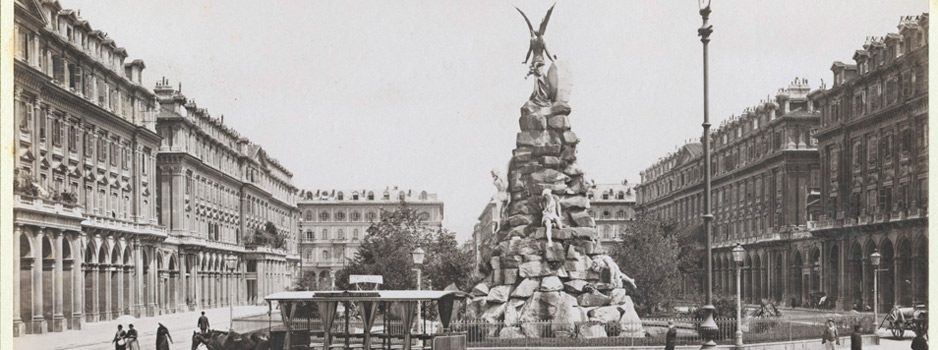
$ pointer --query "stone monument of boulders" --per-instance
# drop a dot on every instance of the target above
(547, 264)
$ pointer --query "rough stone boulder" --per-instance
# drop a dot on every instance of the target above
(591, 330)
(551, 284)
(526, 288)
(593, 299)
(605, 314)
(630, 323)
(499, 294)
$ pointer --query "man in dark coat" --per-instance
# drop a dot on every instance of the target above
(919, 342)
(203, 323)
(856, 339)
(670, 340)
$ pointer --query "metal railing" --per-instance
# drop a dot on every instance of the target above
(649, 332)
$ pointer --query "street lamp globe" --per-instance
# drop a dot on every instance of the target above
(875, 257)
(418, 255)
(739, 253)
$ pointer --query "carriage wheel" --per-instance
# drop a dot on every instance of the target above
(898, 330)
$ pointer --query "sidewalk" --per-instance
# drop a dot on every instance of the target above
(98, 335)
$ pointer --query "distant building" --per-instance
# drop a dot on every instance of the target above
(765, 172)
(334, 222)
(873, 142)
(612, 206)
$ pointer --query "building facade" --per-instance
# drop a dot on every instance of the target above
(873, 142)
(333, 223)
(765, 172)
(88, 242)
(612, 206)
(126, 201)
(221, 197)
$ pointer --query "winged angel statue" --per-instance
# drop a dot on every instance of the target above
(538, 49)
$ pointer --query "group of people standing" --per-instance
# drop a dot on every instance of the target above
(127, 340)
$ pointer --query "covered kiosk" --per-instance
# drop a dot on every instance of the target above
(300, 329)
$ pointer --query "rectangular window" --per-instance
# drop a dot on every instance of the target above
(72, 138)
(102, 147)
(86, 144)
(25, 113)
(56, 131)
(114, 154)
(42, 125)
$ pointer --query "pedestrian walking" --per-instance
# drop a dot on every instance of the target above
(670, 339)
(830, 339)
(131, 338)
(203, 323)
(856, 339)
(163, 338)
(919, 342)
(119, 341)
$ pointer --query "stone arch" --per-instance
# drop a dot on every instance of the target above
(920, 269)
(115, 254)
(747, 278)
(814, 263)
(904, 271)
(757, 277)
(778, 282)
(832, 272)
(887, 290)
(795, 275)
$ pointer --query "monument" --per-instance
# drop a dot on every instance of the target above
(547, 264)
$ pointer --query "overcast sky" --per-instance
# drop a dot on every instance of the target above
(426, 94)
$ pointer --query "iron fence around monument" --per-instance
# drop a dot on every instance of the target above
(650, 331)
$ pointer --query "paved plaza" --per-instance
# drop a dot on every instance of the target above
(98, 335)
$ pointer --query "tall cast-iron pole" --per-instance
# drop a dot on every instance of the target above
(709, 327)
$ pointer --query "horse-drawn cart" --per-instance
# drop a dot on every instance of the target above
(899, 319)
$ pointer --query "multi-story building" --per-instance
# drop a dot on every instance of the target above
(88, 244)
(612, 206)
(333, 223)
(115, 214)
(765, 171)
(873, 142)
(221, 198)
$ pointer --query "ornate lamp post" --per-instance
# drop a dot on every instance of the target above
(418, 255)
(738, 255)
(874, 260)
(709, 326)
(231, 262)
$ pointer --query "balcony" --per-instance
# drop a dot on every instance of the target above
(112, 224)
(47, 206)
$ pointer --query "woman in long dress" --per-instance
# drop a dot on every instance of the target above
(163, 338)
(131, 338)
(119, 341)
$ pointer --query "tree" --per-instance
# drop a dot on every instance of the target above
(647, 253)
(386, 250)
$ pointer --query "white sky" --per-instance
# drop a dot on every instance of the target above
(426, 94)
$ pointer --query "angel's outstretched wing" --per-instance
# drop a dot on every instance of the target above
(546, 19)
(526, 20)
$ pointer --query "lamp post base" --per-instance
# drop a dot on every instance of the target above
(709, 329)
(739, 338)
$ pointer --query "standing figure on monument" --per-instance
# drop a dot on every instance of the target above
(536, 51)
(550, 216)
(501, 198)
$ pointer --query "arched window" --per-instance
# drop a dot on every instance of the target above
(340, 216)
(356, 216)
(355, 196)
(370, 216)
(620, 195)
(605, 196)
(340, 196)
(423, 195)
(424, 216)
(371, 196)
(309, 235)
(341, 234)
(324, 216)
(606, 214)
(355, 234)
(324, 235)
(400, 195)
(620, 215)
(325, 255)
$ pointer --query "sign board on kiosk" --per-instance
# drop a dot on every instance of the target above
(358, 280)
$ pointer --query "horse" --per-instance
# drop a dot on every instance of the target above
(219, 340)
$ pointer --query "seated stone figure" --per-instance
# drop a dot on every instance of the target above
(550, 216)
